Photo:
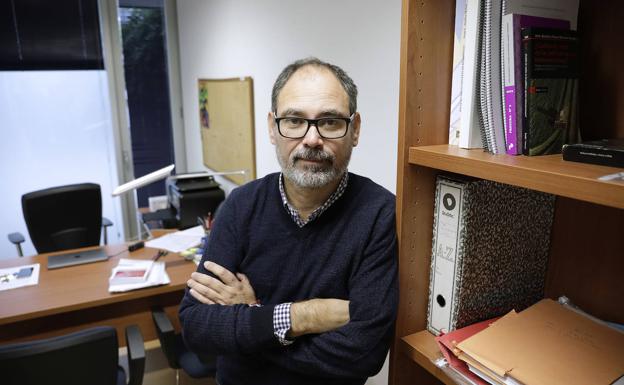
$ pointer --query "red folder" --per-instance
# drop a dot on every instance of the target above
(448, 346)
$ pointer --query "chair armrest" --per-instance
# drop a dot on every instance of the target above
(106, 223)
(166, 336)
(16, 238)
(136, 355)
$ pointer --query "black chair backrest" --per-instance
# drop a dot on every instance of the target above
(65, 217)
(85, 357)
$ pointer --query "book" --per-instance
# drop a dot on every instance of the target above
(456, 82)
(489, 250)
(470, 133)
(550, 9)
(550, 61)
(513, 89)
(606, 152)
(553, 9)
(490, 98)
(481, 121)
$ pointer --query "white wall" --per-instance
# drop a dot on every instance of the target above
(232, 38)
(56, 129)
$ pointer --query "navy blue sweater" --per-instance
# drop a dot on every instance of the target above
(349, 252)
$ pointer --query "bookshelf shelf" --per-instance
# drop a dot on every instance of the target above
(585, 256)
(549, 173)
(422, 349)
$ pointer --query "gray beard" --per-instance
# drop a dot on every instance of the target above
(312, 177)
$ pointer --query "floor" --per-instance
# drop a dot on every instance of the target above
(157, 371)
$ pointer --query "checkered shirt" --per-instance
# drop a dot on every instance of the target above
(281, 322)
(294, 214)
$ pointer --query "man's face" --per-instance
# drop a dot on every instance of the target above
(312, 161)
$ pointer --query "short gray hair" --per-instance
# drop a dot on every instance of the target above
(344, 79)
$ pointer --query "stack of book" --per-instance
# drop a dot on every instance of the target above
(548, 343)
(515, 76)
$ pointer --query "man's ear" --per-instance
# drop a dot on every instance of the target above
(356, 128)
(272, 127)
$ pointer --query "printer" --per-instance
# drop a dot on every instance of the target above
(192, 196)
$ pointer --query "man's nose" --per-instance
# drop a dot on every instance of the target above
(312, 138)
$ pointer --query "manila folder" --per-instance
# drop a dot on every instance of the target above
(550, 344)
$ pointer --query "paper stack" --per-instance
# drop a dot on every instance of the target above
(179, 240)
(133, 272)
(124, 276)
(547, 343)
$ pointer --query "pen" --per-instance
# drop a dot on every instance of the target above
(159, 254)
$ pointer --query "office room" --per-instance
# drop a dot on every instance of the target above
(69, 126)
(115, 119)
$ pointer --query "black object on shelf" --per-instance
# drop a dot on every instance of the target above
(606, 152)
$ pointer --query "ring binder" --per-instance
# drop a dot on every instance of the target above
(489, 251)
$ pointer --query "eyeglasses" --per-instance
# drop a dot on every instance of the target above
(294, 127)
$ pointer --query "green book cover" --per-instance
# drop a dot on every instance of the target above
(550, 58)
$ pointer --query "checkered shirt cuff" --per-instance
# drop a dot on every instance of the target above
(281, 322)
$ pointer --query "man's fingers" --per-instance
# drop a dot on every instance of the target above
(208, 281)
(206, 291)
(222, 273)
(243, 278)
(200, 297)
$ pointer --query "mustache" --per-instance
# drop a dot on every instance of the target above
(312, 154)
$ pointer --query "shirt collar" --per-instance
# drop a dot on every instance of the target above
(294, 213)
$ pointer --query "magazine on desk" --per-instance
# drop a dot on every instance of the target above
(130, 279)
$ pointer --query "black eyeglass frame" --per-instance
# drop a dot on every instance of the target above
(313, 122)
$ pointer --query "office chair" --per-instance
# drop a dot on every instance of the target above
(178, 355)
(89, 357)
(64, 217)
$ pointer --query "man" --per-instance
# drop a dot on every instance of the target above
(298, 283)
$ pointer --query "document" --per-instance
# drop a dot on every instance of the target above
(157, 276)
(19, 276)
(178, 241)
(549, 344)
(448, 346)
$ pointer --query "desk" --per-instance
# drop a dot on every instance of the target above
(76, 297)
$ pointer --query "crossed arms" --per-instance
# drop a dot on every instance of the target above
(314, 316)
(344, 337)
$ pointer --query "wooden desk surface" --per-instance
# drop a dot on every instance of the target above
(71, 298)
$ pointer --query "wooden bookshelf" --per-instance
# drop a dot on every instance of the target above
(586, 258)
(548, 173)
(422, 348)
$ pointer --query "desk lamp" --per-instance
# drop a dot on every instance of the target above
(143, 181)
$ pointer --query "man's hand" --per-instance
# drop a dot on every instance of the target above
(226, 289)
(318, 316)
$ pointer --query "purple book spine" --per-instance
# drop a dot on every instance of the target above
(514, 94)
(510, 114)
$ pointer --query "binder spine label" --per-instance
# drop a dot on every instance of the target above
(444, 255)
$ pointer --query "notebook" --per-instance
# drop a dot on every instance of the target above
(76, 258)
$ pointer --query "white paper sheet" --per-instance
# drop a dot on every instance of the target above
(157, 276)
(9, 281)
(178, 241)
